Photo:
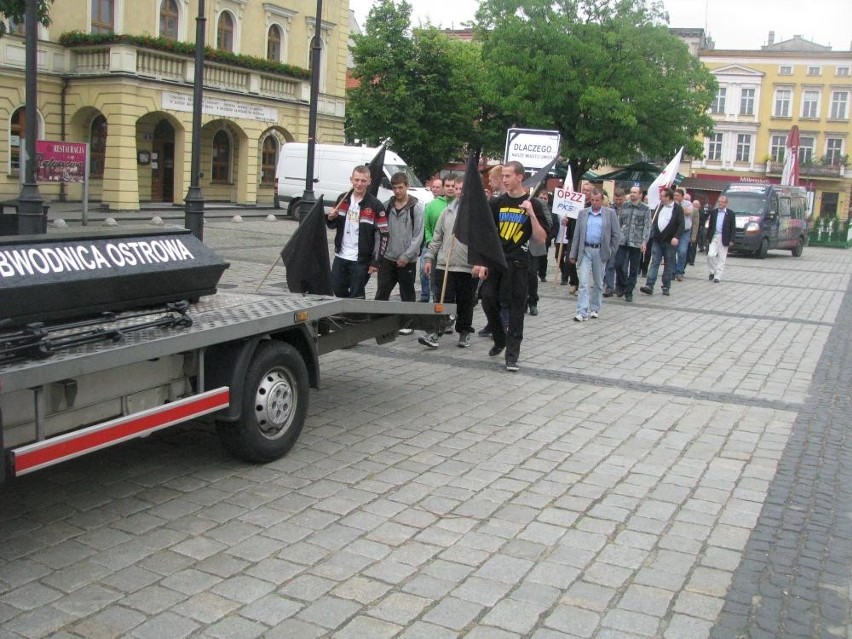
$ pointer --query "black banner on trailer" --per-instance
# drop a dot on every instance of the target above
(50, 277)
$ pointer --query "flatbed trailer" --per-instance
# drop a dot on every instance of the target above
(246, 363)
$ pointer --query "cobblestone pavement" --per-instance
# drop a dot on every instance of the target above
(678, 468)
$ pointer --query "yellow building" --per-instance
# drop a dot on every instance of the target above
(761, 95)
(130, 95)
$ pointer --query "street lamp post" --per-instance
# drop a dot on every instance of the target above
(194, 203)
(308, 198)
(30, 215)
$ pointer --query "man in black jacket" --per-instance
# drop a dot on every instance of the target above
(666, 228)
(720, 236)
(361, 237)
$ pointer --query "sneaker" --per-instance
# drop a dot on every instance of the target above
(593, 315)
(712, 275)
(533, 309)
(543, 278)
(573, 290)
(647, 290)
(628, 297)
(619, 292)
(406, 331)
(579, 318)
(485, 332)
(495, 351)
(716, 280)
(608, 293)
(563, 283)
(679, 278)
(464, 340)
(666, 291)
(512, 366)
(430, 340)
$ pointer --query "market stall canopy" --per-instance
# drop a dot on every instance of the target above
(642, 172)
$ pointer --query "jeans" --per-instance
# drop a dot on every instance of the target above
(425, 280)
(627, 261)
(609, 273)
(460, 291)
(511, 285)
(682, 251)
(664, 251)
(390, 275)
(590, 265)
(349, 278)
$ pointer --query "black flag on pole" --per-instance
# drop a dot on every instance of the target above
(534, 181)
(305, 256)
(377, 170)
(475, 224)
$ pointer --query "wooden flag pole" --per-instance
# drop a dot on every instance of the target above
(447, 266)
(268, 273)
(559, 259)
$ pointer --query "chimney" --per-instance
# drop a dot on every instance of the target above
(771, 37)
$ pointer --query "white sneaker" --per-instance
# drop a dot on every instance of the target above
(593, 315)
(406, 331)
(579, 318)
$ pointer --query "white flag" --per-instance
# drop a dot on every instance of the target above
(568, 184)
(664, 179)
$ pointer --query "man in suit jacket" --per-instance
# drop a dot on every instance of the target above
(596, 239)
(720, 236)
(666, 228)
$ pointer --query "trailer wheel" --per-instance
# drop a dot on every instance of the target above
(274, 405)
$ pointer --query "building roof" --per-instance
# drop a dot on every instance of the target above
(796, 43)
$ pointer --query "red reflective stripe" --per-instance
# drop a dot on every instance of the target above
(112, 432)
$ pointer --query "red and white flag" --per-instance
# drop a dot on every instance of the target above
(790, 175)
(664, 180)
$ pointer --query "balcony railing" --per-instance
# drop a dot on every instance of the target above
(810, 170)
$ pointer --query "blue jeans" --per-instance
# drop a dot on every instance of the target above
(609, 273)
(627, 262)
(590, 266)
(682, 252)
(349, 278)
(660, 251)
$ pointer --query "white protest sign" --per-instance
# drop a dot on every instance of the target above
(567, 204)
(534, 148)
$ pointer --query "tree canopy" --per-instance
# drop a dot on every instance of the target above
(606, 73)
(15, 9)
(417, 88)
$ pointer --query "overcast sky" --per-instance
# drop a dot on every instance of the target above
(733, 24)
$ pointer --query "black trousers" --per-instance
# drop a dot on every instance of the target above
(390, 275)
(461, 292)
(511, 285)
(627, 261)
(535, 271)
(567, 270)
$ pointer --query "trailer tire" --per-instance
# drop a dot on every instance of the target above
(274, 405)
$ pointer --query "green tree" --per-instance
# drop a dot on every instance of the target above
(606, 73)
(417, 88)
(15, 9)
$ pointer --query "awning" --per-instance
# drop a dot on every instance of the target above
(703, 184)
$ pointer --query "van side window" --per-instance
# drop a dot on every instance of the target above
(784, 207)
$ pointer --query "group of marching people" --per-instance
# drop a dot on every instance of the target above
(601, 253)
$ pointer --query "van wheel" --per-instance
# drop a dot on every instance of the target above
(797, 250)
(762, 250)
(294, 208)
(274, 405)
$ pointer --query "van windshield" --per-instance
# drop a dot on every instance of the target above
(746, 203)
(397, 168)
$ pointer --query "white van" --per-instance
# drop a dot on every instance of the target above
(333, 164)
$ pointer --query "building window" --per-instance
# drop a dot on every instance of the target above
(718, 105)
(16, 141)
(747, 102)
(777, 147)
(20, 28)
(225, 32)
(785, 69)
(814, 70)
(782, 103)
(743, 147)
(839, 105)
(273, 43)
(97, 147)
(714, 147)
(843, 72)
(103, 16)
(221, 168)
(806, 149)
(268, 161)
(833, 150)
(169, 19)
(810, 104)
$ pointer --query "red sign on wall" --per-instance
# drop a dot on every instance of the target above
(61, 161)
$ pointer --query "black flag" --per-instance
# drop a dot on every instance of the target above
(305, 256)
(534, 181)
(475, 224)
(377, 171)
